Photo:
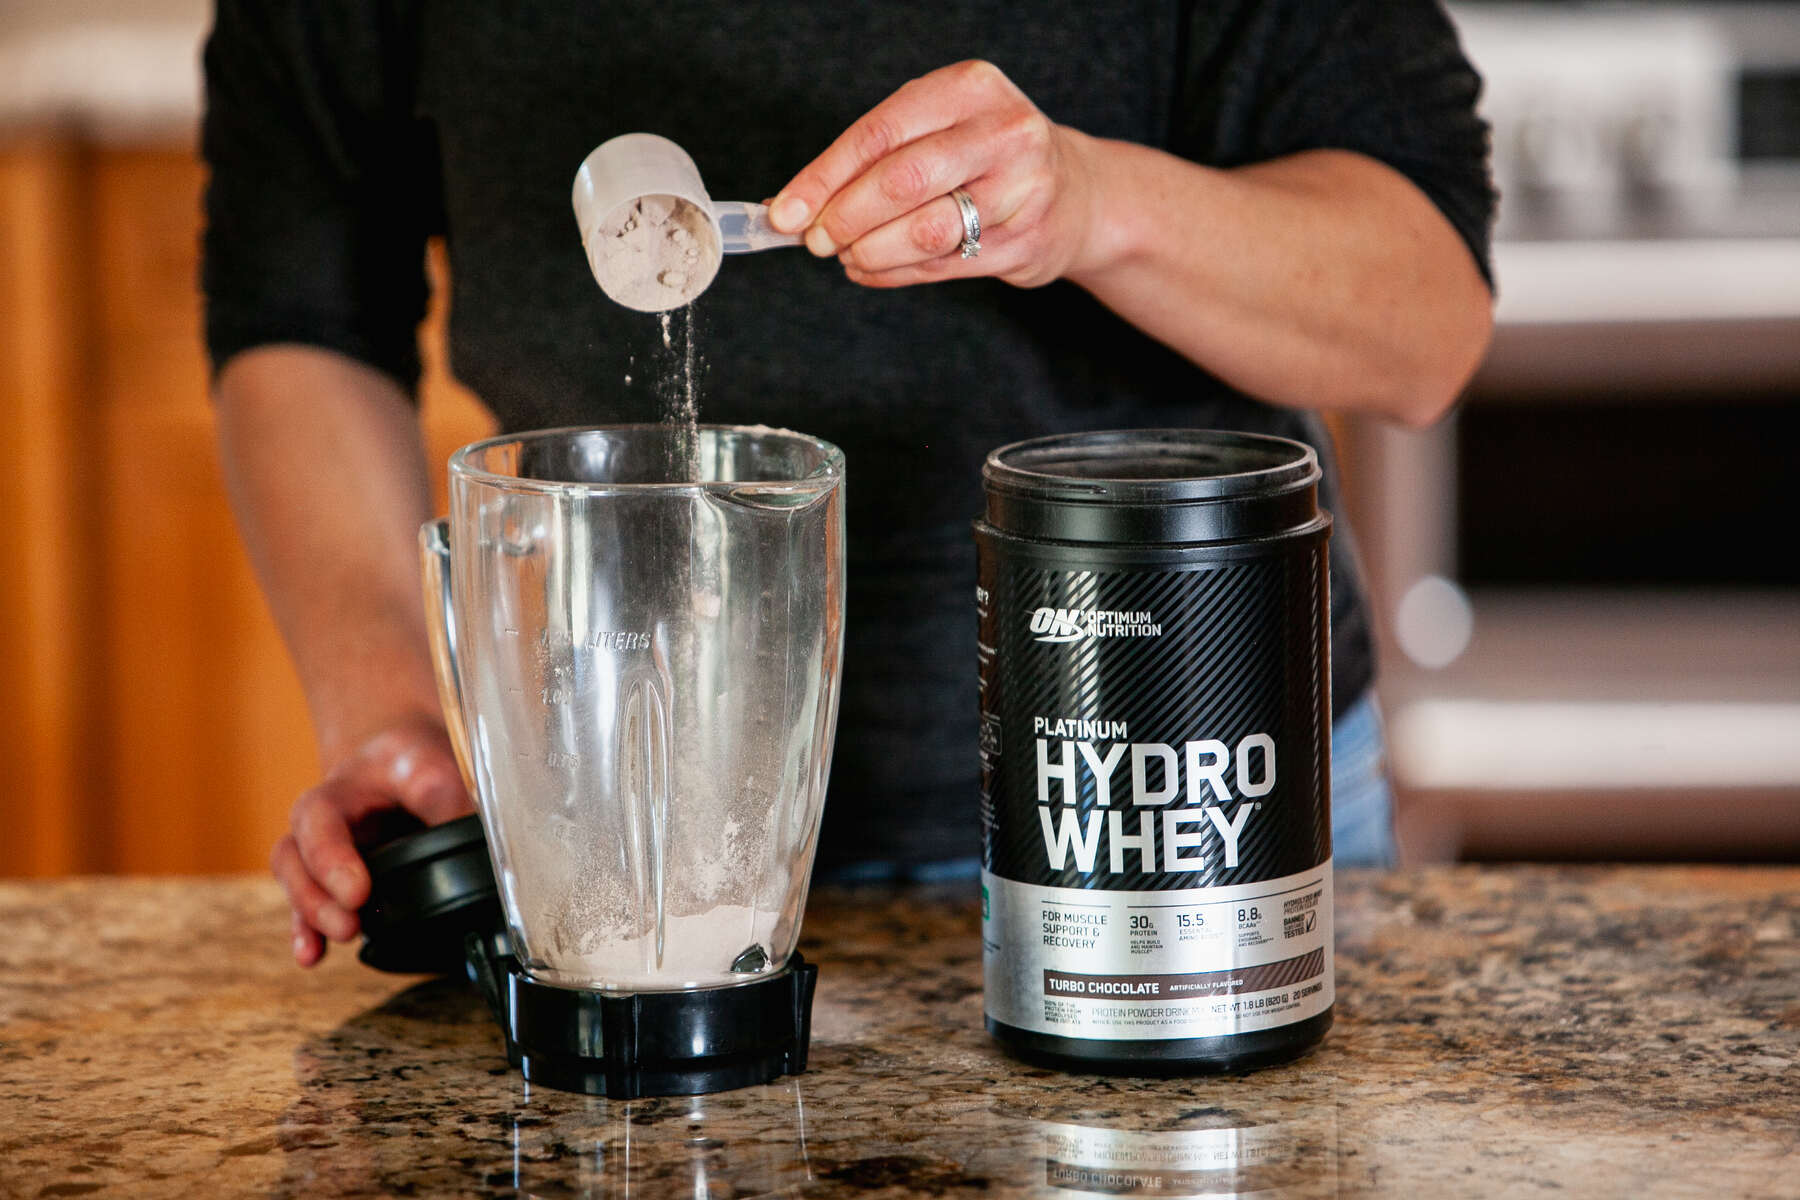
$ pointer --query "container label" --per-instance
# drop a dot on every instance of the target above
(1154, 747)
(1199, 962)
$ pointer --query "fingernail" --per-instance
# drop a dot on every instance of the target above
(788, 213)
(820, 243)
(299, 948)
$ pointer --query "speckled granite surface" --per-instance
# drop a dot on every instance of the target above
(1500, 1031)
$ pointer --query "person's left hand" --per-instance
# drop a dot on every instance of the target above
(879, 197)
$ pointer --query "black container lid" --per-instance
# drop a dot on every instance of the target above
(631, 1044)
(429, 890)
(1152, 486)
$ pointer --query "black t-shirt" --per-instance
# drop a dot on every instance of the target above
(343, 134)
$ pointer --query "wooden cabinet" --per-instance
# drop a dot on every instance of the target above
(151, 721)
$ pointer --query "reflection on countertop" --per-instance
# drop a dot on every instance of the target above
(1513, 1031)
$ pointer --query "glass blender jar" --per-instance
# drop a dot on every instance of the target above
(638, 632)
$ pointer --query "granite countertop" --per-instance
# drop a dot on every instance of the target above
(1500, 1031)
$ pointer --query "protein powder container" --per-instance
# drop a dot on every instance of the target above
(1155, 747)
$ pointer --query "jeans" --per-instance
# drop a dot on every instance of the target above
(1362, 810)
(1362, 803)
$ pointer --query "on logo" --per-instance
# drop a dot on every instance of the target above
(1058, 625)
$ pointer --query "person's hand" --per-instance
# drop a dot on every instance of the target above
(879, 197)
(406, 770)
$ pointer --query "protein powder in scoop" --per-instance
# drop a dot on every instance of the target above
(1155, 740)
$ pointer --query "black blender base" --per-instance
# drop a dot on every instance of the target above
(626, 1045)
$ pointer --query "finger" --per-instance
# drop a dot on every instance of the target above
(936, 270)
(309, 947)
(315, 912)
(321, 825)
(1000, 257)
(911, 179)
(420, 770)
(927, 233)
(926, 105)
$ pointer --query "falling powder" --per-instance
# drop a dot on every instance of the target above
(681, 395)
(655, 255)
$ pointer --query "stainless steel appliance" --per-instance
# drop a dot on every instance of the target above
(1586, 578)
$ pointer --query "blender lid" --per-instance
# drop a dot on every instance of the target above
(429, 891)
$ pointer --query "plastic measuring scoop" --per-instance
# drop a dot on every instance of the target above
(654, 238)
(744, 228)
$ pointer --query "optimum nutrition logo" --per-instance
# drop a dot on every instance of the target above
(1062, 625)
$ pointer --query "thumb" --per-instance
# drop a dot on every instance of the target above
(419, 769)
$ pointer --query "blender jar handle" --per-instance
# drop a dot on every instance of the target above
(440, 628)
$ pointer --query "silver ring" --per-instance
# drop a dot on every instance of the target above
(971, 243)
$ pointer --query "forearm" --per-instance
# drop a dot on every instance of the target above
(1320, 280)
(326, 471)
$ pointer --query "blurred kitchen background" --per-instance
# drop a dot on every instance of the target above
(1587, 580)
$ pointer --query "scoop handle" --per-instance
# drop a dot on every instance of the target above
(744, 228)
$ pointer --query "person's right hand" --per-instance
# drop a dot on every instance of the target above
(408, 768)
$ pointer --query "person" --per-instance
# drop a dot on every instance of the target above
(1230, 214)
